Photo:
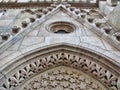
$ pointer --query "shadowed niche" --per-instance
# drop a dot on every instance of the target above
(61, 32)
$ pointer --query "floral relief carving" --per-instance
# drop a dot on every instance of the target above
(75, 81)
(84, 64)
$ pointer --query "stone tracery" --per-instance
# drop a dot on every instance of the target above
(63, 78)
(78, 61)
(103, 73)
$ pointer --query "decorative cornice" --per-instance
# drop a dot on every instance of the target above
(81, 16)
(14, 5)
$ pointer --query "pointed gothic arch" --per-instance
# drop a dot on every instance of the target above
(93, 64)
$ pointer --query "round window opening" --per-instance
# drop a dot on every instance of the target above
(61, 27)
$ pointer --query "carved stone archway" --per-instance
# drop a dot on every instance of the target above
(82, 60)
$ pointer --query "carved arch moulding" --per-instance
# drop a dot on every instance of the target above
(30, 69)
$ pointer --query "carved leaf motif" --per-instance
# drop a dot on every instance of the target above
(65, 84)
(118, 83)
(111, 79)
(46, 62)
(98, 71)
(36, 85)
(34, 67)
(16, 79)
(83, 86)
(102, 73)
(28, 87)
(66, 56)
(6, 86)
(28, 70)
(73, 86)
(94, 86)
(52, 77)
(24, 73)
(80, 78)
(72, 80)
(66, 77)
(71, 57)
(13, 81)
(56, 72)
(76, 61)
(45, 76)
(54, 83)
(44, 83)
(59, 77)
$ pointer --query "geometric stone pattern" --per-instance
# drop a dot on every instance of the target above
(78, 61)
(63, 78)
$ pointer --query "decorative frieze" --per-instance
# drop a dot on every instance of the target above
(63, 78)
(77, 61)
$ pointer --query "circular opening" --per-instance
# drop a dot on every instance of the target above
(61, 27)
(61, 31)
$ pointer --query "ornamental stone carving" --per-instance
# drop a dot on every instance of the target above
(78, 61)
(63, 78)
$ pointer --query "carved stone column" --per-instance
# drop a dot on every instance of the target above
(112, 2)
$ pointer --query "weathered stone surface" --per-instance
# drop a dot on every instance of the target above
(88, 48)
(63, 78)
(77, 58)
(112, 2)
(114, 17)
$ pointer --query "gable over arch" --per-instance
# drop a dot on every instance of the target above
(93, 64)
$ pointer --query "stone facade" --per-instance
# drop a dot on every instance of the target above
(77, 58)
(112, 2)
(114, 18)
(59, 47)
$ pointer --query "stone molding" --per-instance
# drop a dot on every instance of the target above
(13, 5)
(71, 11)
(95, 65)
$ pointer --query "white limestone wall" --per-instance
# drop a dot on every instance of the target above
(114, 17)
(40, 38)
(105, 8)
